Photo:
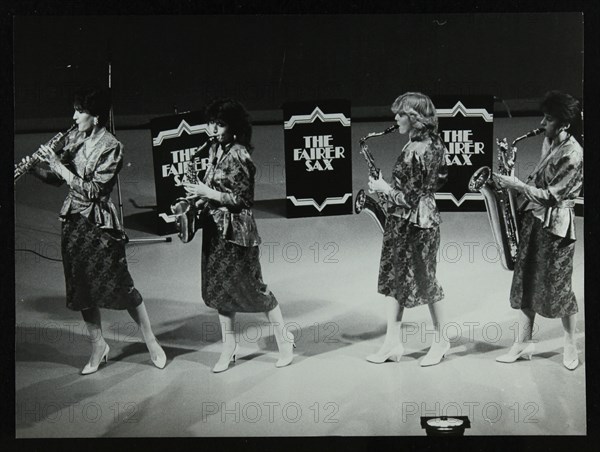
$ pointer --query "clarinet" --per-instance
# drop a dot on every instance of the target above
(54, 143)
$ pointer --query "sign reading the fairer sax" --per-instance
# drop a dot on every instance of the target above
(318, 164)
(466, 124)
(178, 149)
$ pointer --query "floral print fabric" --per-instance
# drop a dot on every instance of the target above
(543, 270)
(407, 270)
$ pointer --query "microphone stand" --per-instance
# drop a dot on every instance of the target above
(111, 129)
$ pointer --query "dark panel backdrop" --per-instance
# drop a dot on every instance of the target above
(163, 63)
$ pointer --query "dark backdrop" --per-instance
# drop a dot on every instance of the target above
(165, 62)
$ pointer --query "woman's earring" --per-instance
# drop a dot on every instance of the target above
(234, 137)
(96, 121)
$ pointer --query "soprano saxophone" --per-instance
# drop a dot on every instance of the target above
(55, 143)
(363, 202)
(185, 209)
(499, 202)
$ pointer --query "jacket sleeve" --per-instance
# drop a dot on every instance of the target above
(238, 189)
(102, 179)
(420, 173)
(567, 178)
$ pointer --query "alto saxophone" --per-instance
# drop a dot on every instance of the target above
(362, 202)
(54, 143)
(499, 202)
(185, 209)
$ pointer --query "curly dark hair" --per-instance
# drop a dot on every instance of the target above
(565, 108)
(95, 101)
(232, 113)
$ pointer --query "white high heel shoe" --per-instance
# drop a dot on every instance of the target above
(570, 357)
(286, 360)
(434, 356)
(89, 369)
(517, 352)
(224, 361)
(159, 359)
(394, 354)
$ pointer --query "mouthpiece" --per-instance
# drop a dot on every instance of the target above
(534, 132)
(529, 134)
(378, 134)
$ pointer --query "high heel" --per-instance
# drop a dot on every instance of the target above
(514, 353)
(434, 357)
(570, 357)
(158, 359)
(287, 360)
(223, 363)
(394, 354)
(89, 369)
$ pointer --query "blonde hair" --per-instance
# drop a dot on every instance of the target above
(420, 111)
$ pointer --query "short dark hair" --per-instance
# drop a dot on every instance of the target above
(235, 115)
(95, 101)
(566, 109)
(562, 106)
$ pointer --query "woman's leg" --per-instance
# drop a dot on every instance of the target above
(227, 321)
(570, 354)
(284, 344)
(523, 345)
(569, 327)
(394, 314)
(93, 322)
(391, 348)
(526, 323)
(440, 345)
(140, 315)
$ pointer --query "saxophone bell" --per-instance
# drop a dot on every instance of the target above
(188, 211)
(499, 202)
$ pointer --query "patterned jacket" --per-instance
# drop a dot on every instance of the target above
(418, 173)
(553, 186)
(95, 167)
(233, 175)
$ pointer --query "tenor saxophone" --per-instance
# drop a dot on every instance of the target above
(55, 143)
(499, 202)
(185, 209)
(363, 202)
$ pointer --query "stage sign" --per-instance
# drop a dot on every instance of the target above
(318, 160)
(175, 140)
(466, 124)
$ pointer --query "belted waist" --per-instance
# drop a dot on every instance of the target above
(81, 197)
(424, 214)
(566, 203)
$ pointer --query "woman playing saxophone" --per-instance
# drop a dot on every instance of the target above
(92, 242)
(412, 236)
(544, 263)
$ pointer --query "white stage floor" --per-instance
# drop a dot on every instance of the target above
(324, 274)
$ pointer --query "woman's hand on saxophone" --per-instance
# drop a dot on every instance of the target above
(379, 185)
(508, 182)
(201, 190)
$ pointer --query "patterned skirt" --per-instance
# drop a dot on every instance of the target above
(96, 273)
(543, 270)
(408, 263)
(231, 275)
